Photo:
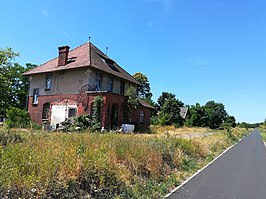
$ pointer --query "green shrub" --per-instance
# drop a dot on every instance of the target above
(96, 113)
(17, 118)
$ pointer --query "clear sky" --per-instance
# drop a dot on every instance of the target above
(200, 50)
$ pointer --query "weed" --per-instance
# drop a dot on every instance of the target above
(80, 165)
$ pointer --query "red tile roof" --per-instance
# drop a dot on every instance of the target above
(86, 55)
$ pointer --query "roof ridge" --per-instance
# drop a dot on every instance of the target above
(57, 56)
(113, 60)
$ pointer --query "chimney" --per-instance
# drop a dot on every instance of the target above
(63, 55)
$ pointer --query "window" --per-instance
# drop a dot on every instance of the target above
(122, 87)
(141, 117)
(48, 81)
(99, 79)
(35, 95)
(110, 84)
(72, 112)
(45, 110)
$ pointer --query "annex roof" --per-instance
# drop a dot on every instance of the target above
(145, 104)
(86, 55)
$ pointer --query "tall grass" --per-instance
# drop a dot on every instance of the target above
(59, 165)
(263, 131)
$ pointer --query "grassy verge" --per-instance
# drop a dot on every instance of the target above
(58, 165)
(263, 132)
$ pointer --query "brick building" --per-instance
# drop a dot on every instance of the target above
(66, 86)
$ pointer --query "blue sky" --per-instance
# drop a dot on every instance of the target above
(200, 50)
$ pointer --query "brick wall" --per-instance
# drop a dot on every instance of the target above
(134, 117)
(84, 104)
(36, 110)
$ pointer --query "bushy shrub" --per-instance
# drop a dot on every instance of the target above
(17, 118)
(96, 113)
(82, 122)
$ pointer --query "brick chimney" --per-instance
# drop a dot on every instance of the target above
(63, 55)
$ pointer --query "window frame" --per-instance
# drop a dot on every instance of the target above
(46, 111)
(99, 80)
(122, 87)
(35, 96)
(72, 115)
(141, 117)
(48, 81)
(111, 84)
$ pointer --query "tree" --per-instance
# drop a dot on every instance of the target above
(216, 114)
(132, 100)
(144, 90)
(230, 121)
(169, 108)
(14, 86)
(6, 55)
(169, 114)
(197, 116)
(7, 79)
(164, 97)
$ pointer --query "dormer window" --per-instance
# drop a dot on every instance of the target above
(109, 62)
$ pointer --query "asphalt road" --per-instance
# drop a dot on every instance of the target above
(238, 174)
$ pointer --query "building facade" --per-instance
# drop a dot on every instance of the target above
(67, 85)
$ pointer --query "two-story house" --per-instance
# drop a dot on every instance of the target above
(66, 86)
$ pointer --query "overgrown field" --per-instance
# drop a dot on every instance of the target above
(34, 164)
(263, 132)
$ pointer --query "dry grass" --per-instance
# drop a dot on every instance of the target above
(99, 164)
(171, 130)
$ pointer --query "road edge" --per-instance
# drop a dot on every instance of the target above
(200, 170)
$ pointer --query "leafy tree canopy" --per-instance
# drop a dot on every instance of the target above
(14, 86)
(230, 121)
(132, 98)
(144, 90)
(169, 108)
(164, 97)
(197, 116)
(216, 114)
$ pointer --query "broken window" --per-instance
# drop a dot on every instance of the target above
(72, 112)
(48, 81)
(35, 95)
(99, 79)
(45, 110)
(141, 117)
(110, 84)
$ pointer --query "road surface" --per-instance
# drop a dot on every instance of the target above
(238, 174)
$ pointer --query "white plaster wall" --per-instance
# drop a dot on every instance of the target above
(59, 113)
(71, 82)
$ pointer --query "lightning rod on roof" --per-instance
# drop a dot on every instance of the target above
(89, 38)
(106, 50)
